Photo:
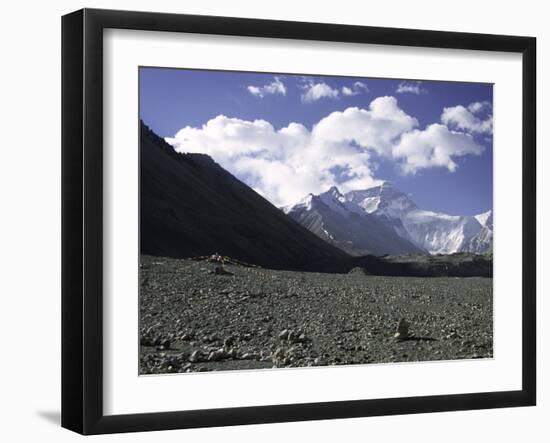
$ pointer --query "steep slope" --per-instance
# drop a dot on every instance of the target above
(190, 206)
(344, 224)
(435, 232)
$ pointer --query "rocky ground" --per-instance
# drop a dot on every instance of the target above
(193, 318)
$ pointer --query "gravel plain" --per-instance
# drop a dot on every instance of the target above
(194, 318)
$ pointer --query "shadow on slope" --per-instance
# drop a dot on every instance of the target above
(190, 206)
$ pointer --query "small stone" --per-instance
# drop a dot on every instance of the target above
(279, 353)
(284, 334)
(217, 355)
(220, 270)
(402, 330)
(187, 336)
(292, 336)
(196, 356)
(211, 338)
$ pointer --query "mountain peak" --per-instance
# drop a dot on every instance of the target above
(341, 222)
(485, 219)
(385, 203)
(383, 198)
(333, 192)
(335, 200)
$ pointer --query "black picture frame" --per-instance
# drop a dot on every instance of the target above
(82, 218)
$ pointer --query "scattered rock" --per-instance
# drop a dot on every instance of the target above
(331, 319)
(217, 355)
(211, 338)
(402, 331)
(220, 270)
(232, 353)
(284, 334)
(196, 356)
(292, 336)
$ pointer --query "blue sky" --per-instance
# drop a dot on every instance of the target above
(288, 135)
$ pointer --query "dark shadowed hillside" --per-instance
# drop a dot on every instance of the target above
(190, 206)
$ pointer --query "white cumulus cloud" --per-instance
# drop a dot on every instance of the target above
(435, 146)
(357, 88)
(477, 107)
(275, 87)
(317, 91)
(410, 88)
(468, 119)
(285, 164)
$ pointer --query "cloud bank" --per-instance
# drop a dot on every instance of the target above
(340, 149)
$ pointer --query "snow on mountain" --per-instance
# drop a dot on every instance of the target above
(440, 233)
(341, 222)
(485, 219)
(482, 242)
(435, 232)
(387, 206)
(336, 201)
(384, 199)
(332, 198)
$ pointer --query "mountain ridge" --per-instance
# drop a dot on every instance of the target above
(429, 231)
(342, 223)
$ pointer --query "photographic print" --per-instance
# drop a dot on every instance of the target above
(292, 220)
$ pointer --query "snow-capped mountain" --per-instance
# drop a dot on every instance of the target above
(483, 240)
(384, 199)
(485, 219)
(432, 232)
(341, 222)
(435, 232)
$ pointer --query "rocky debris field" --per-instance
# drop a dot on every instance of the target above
(199, 316)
